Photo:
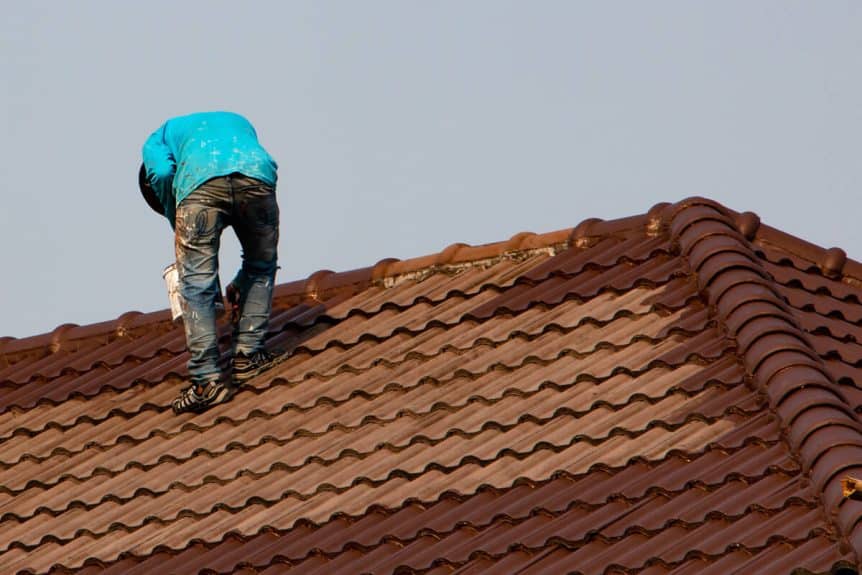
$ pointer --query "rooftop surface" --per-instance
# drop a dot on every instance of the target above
(675, 392)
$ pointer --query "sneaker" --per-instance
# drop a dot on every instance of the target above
(200, 397)
(246, 367)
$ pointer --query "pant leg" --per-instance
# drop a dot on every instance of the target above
(255, 220)
(200, 219)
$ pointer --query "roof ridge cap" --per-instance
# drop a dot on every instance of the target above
(774, 350)
(833, 262)
(323, 283)
(460, 255)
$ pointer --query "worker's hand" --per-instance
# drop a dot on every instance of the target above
(233, 298)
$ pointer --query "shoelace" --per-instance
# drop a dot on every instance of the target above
(258, 358)
(188, 398)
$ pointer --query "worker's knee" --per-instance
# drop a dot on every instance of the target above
(198, 287)
(257, 268)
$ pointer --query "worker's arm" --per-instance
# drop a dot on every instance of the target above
(161, 166)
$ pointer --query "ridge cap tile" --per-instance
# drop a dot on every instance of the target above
(762, 338)
(657, 220)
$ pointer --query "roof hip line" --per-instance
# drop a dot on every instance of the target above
(775, 352)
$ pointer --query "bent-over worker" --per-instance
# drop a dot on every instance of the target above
(204, 172)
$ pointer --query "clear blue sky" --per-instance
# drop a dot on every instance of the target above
(404, 126)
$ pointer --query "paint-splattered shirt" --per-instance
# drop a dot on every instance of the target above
(188, 150)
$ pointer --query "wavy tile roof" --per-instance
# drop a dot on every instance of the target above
(676, 392)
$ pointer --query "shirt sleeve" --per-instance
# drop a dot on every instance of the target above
(161, 166)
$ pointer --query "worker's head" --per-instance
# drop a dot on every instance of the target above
(148, 192)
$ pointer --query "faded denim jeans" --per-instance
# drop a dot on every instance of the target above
(250, 207)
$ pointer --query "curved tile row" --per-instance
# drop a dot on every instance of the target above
(309, 409)
(302, 315)
(279, 504)
(277, 496)
(401, 432)
(817, 554)
(812, 283)
(26, 396)
(548, 347)
(586, 551)
(483, 423)
(672, 476)
(102, 454)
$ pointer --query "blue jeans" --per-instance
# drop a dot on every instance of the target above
(250, 207)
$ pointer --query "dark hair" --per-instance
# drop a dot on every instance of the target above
(148, 192)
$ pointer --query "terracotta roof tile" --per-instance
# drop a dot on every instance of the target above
(675, 392)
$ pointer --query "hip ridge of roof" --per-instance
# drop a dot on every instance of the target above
(779, 359)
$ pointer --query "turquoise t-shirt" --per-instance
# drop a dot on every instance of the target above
(188, 150)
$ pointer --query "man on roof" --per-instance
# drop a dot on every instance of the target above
(204, 172)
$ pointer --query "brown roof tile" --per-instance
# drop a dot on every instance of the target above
(668, 393)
